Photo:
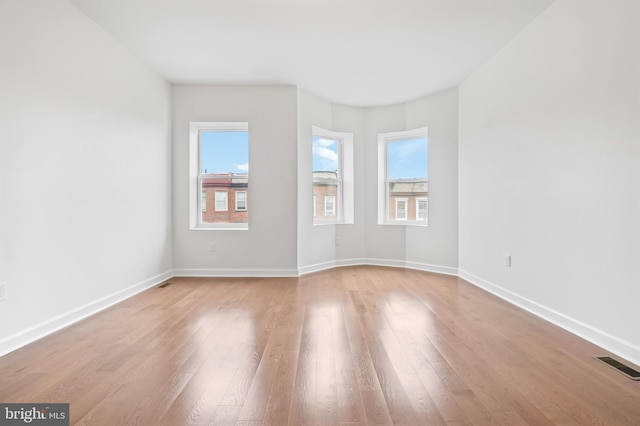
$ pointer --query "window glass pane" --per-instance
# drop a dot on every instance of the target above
(221, 200)
(326, 177)
(422, 207)
(224, 152)
(325, 155)
(407, 171)
(407, 159)
(330, 205)
(401, 209)
(224, 175)
(241, 200)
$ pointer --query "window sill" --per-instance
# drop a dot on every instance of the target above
(222, 227)
(405, 223)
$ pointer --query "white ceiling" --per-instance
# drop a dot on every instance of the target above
(354, 52)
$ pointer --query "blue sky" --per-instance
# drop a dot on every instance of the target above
(325, 154)
(225, 152)
(408, 158)
(228, 152)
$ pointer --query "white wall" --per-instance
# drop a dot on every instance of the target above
(317, 244)
(269, 246)
(85, 165)
(436, 246)
(549, 171)
(433, 247)
(351, 248)
(384, 243)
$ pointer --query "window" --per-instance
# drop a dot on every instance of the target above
(401, 209)
(221, 201)
(219, 167)
(422, 208)
(403, 177)
(332, 169)
(329, 205)
(241, 200)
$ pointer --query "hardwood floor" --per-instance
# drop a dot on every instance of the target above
(348, 346)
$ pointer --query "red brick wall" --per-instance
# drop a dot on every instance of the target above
(231, 215)
(411, 205)
(319, 191)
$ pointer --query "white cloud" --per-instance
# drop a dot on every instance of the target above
(243, 167)
(323, 142)
(326, 153)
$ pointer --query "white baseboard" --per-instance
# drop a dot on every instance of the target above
(378, 262)
(447, 270)
(31, 334)
(606, 341)
(303, 270)
(351, 262)
(254, 273)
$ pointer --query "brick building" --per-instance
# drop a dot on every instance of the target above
(408, 200)
(326, 198)
(225, 198)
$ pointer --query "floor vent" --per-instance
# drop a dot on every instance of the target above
(163, 285)
(624, 369)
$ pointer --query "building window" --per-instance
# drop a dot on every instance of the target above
(241, 200)
(329, 205)
(219, 166)
(422, 208)
(403, 177)
(332, 167)
(401, 209)
(221, 201)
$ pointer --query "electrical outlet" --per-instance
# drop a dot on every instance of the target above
(212, 247)
(507, 261)
(338, 241)
(3, 291)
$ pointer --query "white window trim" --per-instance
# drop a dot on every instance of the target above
(195, 200)
(245, 201)
(383, 195)
(345, 198)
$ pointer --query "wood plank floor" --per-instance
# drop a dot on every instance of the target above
(349, 346)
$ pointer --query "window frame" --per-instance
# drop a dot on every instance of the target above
(426, 200)
(243, 209)
(406, 208)
(333, 212)
(195, 178)
(216, 200)
(383, 181)
(344, 212)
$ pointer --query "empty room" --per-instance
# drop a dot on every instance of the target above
(357, 212)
